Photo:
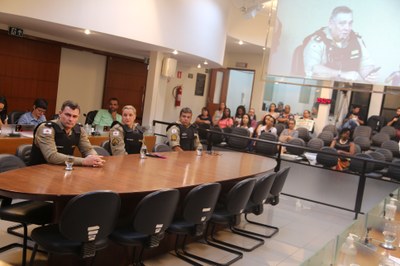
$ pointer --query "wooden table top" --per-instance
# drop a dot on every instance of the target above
(129, 174)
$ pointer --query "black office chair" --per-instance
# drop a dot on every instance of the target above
(376, 122)
(303, 134)
(394, 171)
(277, 186)
(106, 145)
(379, 138)
(255, 205)
(90, 117)
(296, 150)
(363, 142)
(266, 148)
(100, 150)
(197, 208)
(227, 212)
(24, 152)
(331, 128)
(151, 218)
(85, 224)
(387, 153)
(161, 147)
(315, 143)
(202, 130)
(357, 165)
(379, 168)
(14, 116)
(391, 131)
(362, 131)
(216, 138)
(328, 160)
(279, 128)
(24, 212)
(239, 143)
(392, 146)
(326, 136)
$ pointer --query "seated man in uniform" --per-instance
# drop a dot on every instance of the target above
(126, 138)
(36, 116)
(106, 117)
(55, 141)
(182, 135)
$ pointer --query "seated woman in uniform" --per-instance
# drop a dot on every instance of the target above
(126, 138)
(344, 146)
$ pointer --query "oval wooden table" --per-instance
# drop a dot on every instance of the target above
(132, 177)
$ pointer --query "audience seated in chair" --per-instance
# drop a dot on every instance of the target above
(344, 146)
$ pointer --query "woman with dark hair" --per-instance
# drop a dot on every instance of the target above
(240, 111)
(246, 123)
(226, 119)
(204, 117)
(272, 111)
(344, 146)
(3, 111)
(266, 125)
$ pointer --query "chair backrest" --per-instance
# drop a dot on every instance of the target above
(14, 116)
(326, 136)
(199, 203)
(331, 128)
(201, 131)
(328, 160)
(101, 151)
(155, 211)
(90, 117)
(279, 128)
(262, 189)
(357, 165)
(363, 131)
(387, 153)
(394, 171)
(90, 216)
(10, 162)
(364, 142)
(303, 133)
(379, 157)
(266, 148)
(106, 145)
(391, 131)
(239, 143)
(296, 150)
(24, 152)
(376, 122)
(380, 138)
(279, 181)
(161, 147)
(239, 195)
(392, 146)
(315, 143)
(216, 138)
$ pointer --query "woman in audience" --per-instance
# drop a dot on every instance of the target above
(344, 146)
(218, 114)
(126, 138)
(266, 125)
(246, 123)
(395, 122)
(289, 133)
(240, 111)
(307, 117)
(204, 117)
(226, 119)
(253, 118)
(272, 111)
(3, 111)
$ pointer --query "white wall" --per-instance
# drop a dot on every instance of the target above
(81, 79)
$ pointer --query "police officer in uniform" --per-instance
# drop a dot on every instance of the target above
(182, 135)
(55, 141)
(126, 137)
(337, 52)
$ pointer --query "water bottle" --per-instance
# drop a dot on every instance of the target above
(199, 150)
(143, 151)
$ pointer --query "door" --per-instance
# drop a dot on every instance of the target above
(218, 88)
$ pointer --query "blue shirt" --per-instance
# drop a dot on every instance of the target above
(28, 119)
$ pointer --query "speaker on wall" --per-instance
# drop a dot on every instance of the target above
(168, 67)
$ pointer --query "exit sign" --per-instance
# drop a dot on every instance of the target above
(15, 31)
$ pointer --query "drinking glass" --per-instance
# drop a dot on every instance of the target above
(389, 235)
(69, 162)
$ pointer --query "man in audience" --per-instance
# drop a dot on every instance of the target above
(107, 117)
(354, 118)
(285, 116)
(55, 141)
(37, 115)
(182, 135)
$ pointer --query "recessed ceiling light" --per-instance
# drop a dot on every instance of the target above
(205, 62)
(240, 42)
(199, 66)
(175, 52)
(87, 32)
(263, 48)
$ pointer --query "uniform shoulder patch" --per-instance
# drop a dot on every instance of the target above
(47, 130)
(174, 131)
(174, 137)
(115, 133)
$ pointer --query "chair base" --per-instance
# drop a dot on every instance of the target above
(212, 240)
(273, 228)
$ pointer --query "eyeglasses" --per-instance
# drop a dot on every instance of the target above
(40, 110)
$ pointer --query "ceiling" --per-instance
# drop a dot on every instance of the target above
(110, 43)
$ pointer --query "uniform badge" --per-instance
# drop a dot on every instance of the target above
(174, 131)
(47, 131)
(174, 137)
(115, 133)
(115, 142)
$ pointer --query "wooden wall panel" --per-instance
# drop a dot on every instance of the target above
(29, 69)
(126, 80)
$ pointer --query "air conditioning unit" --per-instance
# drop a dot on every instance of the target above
(168, 67)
